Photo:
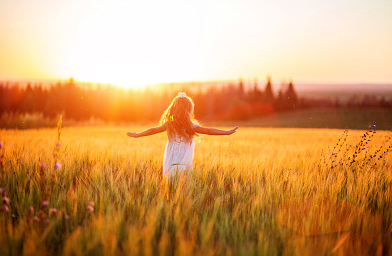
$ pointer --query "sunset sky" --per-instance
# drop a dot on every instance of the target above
(133, 43)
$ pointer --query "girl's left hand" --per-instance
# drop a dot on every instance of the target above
(132, 134)
(233, 130)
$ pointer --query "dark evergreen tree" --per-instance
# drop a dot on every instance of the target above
(291, 99)
(241, 90)
(255, 94)
(268, 94)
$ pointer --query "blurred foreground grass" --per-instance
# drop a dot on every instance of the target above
(259, 191)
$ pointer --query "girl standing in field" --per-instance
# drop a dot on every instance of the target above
(179, 123)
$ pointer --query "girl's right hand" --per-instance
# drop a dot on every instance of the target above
(231, 131)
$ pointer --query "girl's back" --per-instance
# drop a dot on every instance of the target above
(179, 152)
(178, 122)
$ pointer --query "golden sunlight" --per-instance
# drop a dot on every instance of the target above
(132, 50)
(134, 43)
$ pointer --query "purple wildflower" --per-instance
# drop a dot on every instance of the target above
(6, 209)
(57, 166)
(66, 217)
(35, 218)
(6, 200)
(31, 210)
(91, 203)
(53, 211)
(45, 203)
(90, 208)
(3, 191)
(42, 165)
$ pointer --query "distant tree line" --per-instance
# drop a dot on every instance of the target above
(230, 101)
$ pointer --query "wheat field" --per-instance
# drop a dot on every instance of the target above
(261, 191)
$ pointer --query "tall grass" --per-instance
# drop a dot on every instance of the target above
(260, 191)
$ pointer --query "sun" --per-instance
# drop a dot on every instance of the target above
(119, 72)
(110, 47)
(116, 65)
(91, 62)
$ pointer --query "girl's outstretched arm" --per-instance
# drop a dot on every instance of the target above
(148, 132)
(214, 131)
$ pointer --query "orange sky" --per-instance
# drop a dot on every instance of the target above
(133, 43)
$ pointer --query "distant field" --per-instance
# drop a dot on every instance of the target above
(260, 191)
(326, 118)
(343, 91)
(304, 118)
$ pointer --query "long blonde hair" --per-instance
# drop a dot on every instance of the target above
(178, 117)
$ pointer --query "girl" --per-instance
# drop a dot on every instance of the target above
(179, 123)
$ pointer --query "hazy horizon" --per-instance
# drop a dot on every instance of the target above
(309, 90)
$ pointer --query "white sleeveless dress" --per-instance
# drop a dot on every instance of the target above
(178, 156)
